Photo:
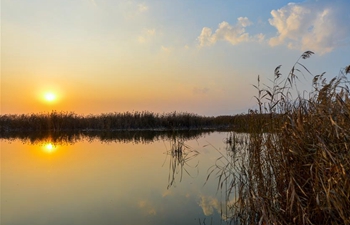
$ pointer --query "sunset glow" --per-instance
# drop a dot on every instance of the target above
(160, 56)
(183, 111)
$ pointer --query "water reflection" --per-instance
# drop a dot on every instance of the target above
(49, 147)
(79, 179)
(136, 137)
(230, 178)
(180, 156)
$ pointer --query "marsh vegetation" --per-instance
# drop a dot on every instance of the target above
(294, 166)
(69, 121)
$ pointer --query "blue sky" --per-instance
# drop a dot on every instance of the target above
(196, 56)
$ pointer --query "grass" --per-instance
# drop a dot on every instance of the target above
(294, 166)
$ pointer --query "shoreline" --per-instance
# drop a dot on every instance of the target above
(86, 130)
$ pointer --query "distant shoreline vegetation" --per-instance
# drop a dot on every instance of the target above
(127, 121)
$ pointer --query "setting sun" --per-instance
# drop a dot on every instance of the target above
(50, 97)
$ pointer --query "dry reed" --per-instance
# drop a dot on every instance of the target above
(294, 166)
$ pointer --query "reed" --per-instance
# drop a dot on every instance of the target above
(69, 121)
(294, 166)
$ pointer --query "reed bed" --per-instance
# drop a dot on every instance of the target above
(294, 166)
(63, 121)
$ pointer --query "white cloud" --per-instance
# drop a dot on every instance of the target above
(259, 37)
(206, 37)
(151, 32)
(244, 21)
(234, 34)
(142, 7)
(166, 49)
(132, 9)
(316, 27)
(146, 36)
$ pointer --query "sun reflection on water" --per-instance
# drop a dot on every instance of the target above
(49, 147)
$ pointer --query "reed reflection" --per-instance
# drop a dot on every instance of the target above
(179, 157)
(136, 137)
(230, 178)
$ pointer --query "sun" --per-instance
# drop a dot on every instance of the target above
(49, 146)
(50, 97)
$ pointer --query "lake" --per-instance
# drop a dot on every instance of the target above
(133, 178)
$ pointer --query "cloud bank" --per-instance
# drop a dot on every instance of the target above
(233, 34)
(317, 27)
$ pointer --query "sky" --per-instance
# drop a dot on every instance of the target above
(198, 56)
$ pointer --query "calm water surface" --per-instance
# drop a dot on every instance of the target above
(112, 182)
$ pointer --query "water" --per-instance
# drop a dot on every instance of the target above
(130, 180)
